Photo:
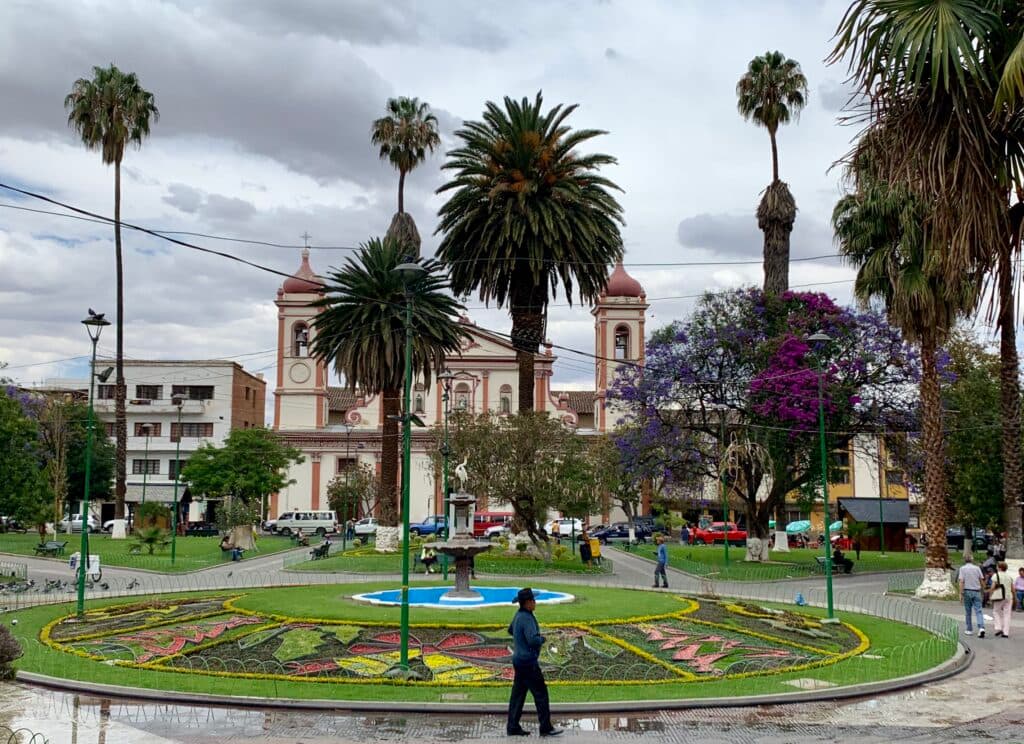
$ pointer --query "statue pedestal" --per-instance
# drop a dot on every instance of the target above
(119, 530)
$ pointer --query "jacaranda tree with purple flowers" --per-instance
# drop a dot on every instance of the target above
(740, 371)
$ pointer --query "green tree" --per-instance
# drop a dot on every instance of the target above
(251, 465)
(109, 112)
(25, 491)
(405, 136)
(946, 79)
(528, 213)
(880, 230)
(772, 92)
(354, 492)
(361, 332)
(103, 457)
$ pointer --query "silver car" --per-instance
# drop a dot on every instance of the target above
(76, 524)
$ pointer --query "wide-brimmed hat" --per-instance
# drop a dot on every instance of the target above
(525, 595)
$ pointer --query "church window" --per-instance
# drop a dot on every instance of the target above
(462, 395)
(622, 343)
(300, 344)
(505, 399)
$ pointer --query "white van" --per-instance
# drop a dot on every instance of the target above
(305, 522)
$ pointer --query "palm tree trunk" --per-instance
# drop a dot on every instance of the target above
(391, 406)
(775, 216)
(775, 156)
(120, 415)
(527, 313)
(934, 456)
(401, 191)
(1009, 393)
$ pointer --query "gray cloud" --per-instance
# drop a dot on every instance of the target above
(738, 236)
(184, 197)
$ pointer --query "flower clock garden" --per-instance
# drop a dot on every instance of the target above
(318, 643)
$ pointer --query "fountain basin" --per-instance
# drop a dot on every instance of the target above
(435, 597)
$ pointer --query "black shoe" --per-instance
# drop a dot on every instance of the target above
(552, 732)
(518, 732)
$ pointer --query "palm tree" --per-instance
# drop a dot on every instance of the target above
(361, 331)
(528, 213)
(880, 230)
(946, 77)
(771, 92)
(109, 112)
(405, 136)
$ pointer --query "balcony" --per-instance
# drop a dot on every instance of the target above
(162, 405)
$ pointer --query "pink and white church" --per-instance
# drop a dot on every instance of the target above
(335, 427)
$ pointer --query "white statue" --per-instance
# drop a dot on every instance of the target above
(462, 474)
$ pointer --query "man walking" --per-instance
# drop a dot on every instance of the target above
(526, 645)
(662, 554)
(969, 580)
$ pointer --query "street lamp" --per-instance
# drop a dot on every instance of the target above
(178, 403)
(94, 325)
(348, 495)
(446, 379)
(409, 272)
(821, 339)
(145, 470)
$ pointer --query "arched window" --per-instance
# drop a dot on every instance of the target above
(417, 398)
(462, 395)
(505, 399)
(622, 343)
(300, 340)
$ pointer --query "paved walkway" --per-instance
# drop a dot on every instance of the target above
(982, 703)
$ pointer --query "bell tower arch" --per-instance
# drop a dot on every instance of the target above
(618, 336)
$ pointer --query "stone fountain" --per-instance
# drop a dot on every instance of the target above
(461, 545)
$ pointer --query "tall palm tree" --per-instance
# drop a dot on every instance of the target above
(946, 78)
(528, 213)
(109, 112)
(880, 229)
(361, 331)
(405, 136)
(771, 92)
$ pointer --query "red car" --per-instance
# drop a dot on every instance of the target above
(716, 533)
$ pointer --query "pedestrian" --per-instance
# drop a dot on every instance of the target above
(585, 553)
(350, 529)
(684, 534)
(662, 555)
(1001, 593)
(969, 581)
(428, 557)
(1018, 589)
(526, 645)
(840, 560)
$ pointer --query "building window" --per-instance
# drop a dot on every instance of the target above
(193, 392)
(840, 467)
(111, 428)
(149, 392)
(174, 468)
(462, 395)
(300, 340)
(149, 467)
(106, 392)
(622, 343)
(140, 431)
(247, 392)
(191, 431)
(505, 399)
(346, 463)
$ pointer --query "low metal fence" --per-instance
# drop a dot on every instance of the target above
(13, 570)
(21, 736)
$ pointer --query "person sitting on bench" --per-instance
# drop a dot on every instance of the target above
(841, 561)
(428, 558)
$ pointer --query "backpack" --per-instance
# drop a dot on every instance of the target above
(998, 590)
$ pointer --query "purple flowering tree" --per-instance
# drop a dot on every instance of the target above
(739, 371)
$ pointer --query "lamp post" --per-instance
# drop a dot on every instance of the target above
(94, 325)
(445, 379)
(409, 273)
(348, 495)
(725, 493)
(145, 470)
(177, 403)
(820, 339)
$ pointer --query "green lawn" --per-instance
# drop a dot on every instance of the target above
(797, 563)
(191, 553)
(895, 650)
(496, 561)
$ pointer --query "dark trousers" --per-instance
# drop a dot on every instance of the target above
(530, 678)
(659, 570)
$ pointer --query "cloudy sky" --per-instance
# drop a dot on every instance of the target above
(263, 135)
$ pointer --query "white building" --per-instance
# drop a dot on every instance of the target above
(333, 426)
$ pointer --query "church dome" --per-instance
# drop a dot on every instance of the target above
(304, 281)
(621, 284)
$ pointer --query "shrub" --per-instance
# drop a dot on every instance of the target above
(148, 513)
(152, 538)
(10, 650)
(522, 547)
(559, 552)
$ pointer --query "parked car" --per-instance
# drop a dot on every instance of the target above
(429, 526)
(716, 533)
(565, 526)
(619, 531)
(485, 520)
(10, 524)
(496, 531)
(76, 524)
(201, 529)
(955, 539)
(366, 527)
(305, 522)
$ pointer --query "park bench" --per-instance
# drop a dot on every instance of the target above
(51, 547)
(820, 560)
(320, 551)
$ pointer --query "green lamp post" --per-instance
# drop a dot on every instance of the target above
(146, 430)
(94, 325)
(820, 339)
(177, 403)
(445, 379)
(409, 272)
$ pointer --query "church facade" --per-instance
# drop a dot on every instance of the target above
(336, 428)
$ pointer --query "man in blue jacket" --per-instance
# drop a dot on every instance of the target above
(526, 645)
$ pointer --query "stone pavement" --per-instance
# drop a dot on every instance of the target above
(982, 703)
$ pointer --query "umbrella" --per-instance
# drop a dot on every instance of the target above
(771, 524)
(836, 526)
(795, 528)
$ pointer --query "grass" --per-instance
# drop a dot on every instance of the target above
(191, 553)
(496, 561)
(896, 650)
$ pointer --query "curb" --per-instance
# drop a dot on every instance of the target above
(961, 661)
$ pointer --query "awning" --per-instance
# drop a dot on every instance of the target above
(894, 511)
(161, 492)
